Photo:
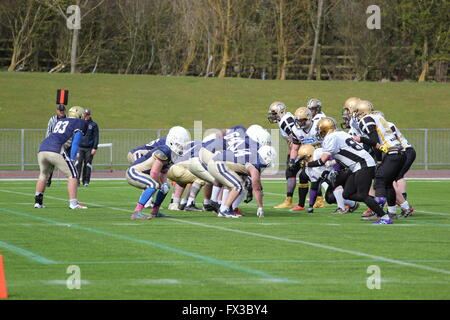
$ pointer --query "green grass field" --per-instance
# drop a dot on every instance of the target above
(27, 100)
(199, 256)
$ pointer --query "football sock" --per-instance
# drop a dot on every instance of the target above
(224, 208)
(302, 192)
(405, 205)
(225, 193)
(215, 193)
(190, 201)
(312, 197)
(290, 187)
(206, 201)
(139, 207)
(146, 195)
(73, 202)
(238, 200)
(160, 196)
(392, 209)
(350, 203)
(183, 201)
(39, 198)
(339, 198)
(175, 200)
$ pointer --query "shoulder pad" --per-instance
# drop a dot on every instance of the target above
(158, 154)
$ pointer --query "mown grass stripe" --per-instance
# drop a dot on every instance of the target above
(28, 254)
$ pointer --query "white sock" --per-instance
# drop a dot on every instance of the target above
(325, 186)
(73, 202)
(219, 201)
(215, 193)
(224, 208)
(339, 198)
(183, 201)
(38, 193)
(405, 205)
(392, 209)
(206, 201)
(349, 203)
(175, 200)
(190, 201)
(225, 193)
(238, 200)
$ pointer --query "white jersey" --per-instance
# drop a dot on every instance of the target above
(405, 144)
(347, 151)
(315, 173)
(354, 128)
(308, 136)
(319, 116)
(386, 135)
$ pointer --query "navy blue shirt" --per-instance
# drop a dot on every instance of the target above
(151, 145)
(191, 151)
(164, 149)
(242, 157)
(62, 132)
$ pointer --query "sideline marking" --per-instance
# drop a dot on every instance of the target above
(28, 254)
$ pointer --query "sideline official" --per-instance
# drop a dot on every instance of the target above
(88, 148)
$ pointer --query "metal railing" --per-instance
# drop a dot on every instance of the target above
(18, 147)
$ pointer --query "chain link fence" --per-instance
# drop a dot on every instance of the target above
(19, 147)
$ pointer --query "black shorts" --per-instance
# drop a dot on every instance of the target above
(410, 154)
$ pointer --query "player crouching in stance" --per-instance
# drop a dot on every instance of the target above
(51, 154)
(231, 167)
(150, 171)
(331, 173)
(341, 146)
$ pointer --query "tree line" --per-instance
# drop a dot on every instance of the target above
(264, 39)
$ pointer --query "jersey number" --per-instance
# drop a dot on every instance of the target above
(352, 143)
(61, 127)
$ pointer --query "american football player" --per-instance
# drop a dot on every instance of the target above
(231, 167)
(349, 153)
(315, 106)
(52, 154)
(333, 173)
(388, 153)
(150, 171)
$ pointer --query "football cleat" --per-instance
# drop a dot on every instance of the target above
(39, 206)
(373, 217)
(319, 203)
(368, 213)
(215, 206)
(340, 211)
(227, 214)
(160, 215)
(138, 215)
(311, 210)
(287, 203)
(208, 207)
(407, 213)
(238, 211)
(384, 221)
(77, 206)
(297, 208)
(393, 216)
(182, 206)
(354, 208)
(192, 208)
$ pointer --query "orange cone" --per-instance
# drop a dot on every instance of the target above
(3, 293)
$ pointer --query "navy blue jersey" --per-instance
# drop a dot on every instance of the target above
(162, 148)
(233, 141)
(151, 145)
(242, 157)
(62, 132)
(191, 151)
(239, 129)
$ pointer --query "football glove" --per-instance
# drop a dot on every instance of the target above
(383, 149)
(260, 212)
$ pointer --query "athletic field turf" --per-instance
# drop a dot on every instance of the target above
(199, 256)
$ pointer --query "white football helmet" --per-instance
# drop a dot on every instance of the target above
(259, 134)
(177, 138)
(268, 155)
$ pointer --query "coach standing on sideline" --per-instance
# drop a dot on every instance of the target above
(88, 148)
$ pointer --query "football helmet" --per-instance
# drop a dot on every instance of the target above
(363, 108)
(378, 112)
(348, 110)
(314, 105)
(76, 112)
(276, 111)
(177, 138)
(259, 134)
(303, 118)
(305, 152)
(268, 155)
(325, 126)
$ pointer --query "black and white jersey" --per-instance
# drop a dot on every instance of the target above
(319, 116)
(347, 151)
(310, 135)
(405, 144)
(383, 128)
(286, 124)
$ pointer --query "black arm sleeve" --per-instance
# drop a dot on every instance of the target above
(374, 139)
(316, 163)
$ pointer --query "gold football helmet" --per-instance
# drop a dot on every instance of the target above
(363, 108)
(325, 126)
(276, 111)
(76, 112)
(348, 110)
(303, 117)
(305, 152)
